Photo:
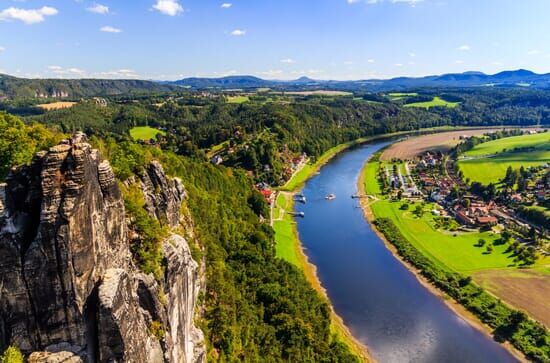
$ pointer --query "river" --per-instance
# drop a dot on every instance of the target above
(382, 303)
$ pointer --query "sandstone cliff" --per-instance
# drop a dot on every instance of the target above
(68, 286)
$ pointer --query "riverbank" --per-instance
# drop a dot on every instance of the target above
(458, 308)
(288, 244)
(289, 248)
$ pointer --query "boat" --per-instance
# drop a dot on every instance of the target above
(330, 197)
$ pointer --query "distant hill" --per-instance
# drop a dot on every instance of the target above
(515, 78)
(13, 87)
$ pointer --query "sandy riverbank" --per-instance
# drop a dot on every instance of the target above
(310, 271)
(460, 310)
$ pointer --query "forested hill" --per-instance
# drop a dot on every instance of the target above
(13, 87)
(516, 78)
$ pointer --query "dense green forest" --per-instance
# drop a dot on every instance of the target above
(262, 136)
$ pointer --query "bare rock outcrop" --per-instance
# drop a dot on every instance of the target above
(69, 290)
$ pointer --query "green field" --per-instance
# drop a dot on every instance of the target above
(237, 99)
(455, 251)
(286, 240)
(508, 143)
(435, 102)
(145, 133)
(490, 160)
(396, 96)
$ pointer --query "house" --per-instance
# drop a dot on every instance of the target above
(486, 221)
(268, 195)
(463, 218)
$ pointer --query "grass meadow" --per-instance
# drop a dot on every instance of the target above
(145, 133)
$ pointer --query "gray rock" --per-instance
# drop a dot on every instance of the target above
(68, 288)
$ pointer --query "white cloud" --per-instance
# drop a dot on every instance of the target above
(168, 7)
(348, 63)
(272, 73)
(2, 49)
(66, 72)
(464, 47)
(353, 1)
(226, 5)
(110, 29)
(412, 55)
(238, 32)
(370, 60)
(288, 61)
(533, 52)
(459, 61)
(28, 16)
(398, 65)
(98, 9)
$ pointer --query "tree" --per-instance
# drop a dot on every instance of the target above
(481, 242)
(12, 355)
(489, 248)
(419, 211)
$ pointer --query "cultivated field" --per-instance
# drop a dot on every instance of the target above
(318, 93)
(435, 102)
(525, 289)
(56, 105)
(145, 133)
(444, 141)
(487, 162)
(237, 99)
(497, 146)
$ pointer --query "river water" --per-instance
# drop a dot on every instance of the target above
(381, 302)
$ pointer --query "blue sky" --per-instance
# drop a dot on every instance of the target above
(283, 39)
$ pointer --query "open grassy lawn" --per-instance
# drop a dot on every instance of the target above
(457, 253)
(454, 251)
(145, 133)
(286, 240)
(541, 140)
(237, 99)
(435, 102)
(396, 96)
(492, 169)
(372, 186)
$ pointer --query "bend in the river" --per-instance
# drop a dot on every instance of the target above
(383, 303)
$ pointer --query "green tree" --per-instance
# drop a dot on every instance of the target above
(481, 242)
(12, 355)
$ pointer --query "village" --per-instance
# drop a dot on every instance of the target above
(433, 177)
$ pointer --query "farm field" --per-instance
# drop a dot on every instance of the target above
(489, 160)
(237, 99)
(526, 289)
(508, 143)
(56, 105)
(319, 93)
(435, 102)
(396, 96)
(414, 146)
(145, 133)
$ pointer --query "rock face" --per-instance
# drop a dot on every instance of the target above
(68, 286)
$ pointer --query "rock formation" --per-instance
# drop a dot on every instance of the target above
(68, 286)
